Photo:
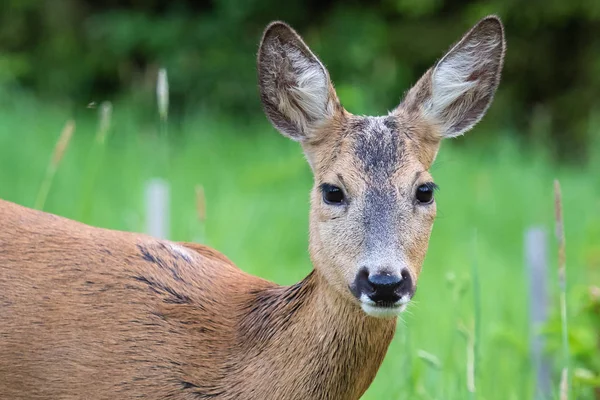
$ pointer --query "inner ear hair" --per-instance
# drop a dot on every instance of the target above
(295, 88)
(457, 91)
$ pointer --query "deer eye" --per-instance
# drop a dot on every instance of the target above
(425, 193)
(332, 194)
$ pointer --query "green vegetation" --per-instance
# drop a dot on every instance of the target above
(84, 50)
(256, 184)
(469, 324)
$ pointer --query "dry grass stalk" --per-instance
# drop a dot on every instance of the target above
(430, 359)
(200, 203)
(595, 309)
(595, 293)
(564, 384)
(560, 234)
(104, 122)
(57, 155)
(162, 94)
(162, 97)
(63, 142)
(95, 158)
(470, 337)
(471, 364)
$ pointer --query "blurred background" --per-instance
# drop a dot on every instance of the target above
(81, 136)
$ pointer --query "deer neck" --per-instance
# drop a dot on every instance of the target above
(313, 341)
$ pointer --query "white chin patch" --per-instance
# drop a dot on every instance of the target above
(382, 312)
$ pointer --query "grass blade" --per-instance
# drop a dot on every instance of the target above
(562, 281)
(59, 151)
(476, 310)
(162, 97)
(95, 159)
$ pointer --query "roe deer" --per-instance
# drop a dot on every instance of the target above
(89, 313)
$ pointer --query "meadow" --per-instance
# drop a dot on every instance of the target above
(473, 291)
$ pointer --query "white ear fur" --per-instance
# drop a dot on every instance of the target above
(295, 86)
(457, 92)
(308, 99)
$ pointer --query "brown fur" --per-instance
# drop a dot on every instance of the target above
(100, 314)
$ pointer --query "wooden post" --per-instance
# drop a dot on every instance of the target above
(157, 208)
(536, 256)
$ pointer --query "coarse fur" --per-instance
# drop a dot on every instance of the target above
(101, 314)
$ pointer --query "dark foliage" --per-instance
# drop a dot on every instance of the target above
(86, 50)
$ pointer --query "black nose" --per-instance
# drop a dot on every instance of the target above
(383, 287)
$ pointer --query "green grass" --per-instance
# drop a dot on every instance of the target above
(257, 184)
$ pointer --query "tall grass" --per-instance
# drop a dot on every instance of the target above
(473, 355)
(95, 158)
(201, 212)
(255, 187)
(57, 156)
(162, 98)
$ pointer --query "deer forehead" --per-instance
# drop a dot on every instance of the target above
(376, 151)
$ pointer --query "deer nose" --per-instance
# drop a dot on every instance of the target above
(383, 288)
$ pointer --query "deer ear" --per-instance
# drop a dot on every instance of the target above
(295, 89)
(457, 91)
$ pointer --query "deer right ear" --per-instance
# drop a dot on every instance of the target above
(457, 91)
(295, 89)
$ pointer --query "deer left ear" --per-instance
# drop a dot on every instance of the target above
(457, 91)
(295, 89)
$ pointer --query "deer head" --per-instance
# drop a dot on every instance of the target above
(372, 203)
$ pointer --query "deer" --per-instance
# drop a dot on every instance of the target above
(93, 313)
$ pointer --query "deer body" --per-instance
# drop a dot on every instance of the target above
(99, 314)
